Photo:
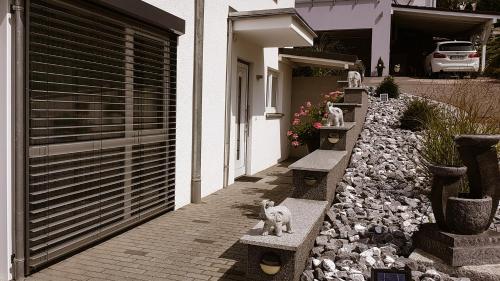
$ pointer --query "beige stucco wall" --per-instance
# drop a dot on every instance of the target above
(310, 89)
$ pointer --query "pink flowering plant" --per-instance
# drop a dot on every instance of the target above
(308, 120)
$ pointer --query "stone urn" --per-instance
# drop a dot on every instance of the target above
(445, 184)
(468, 216)
(479, 154)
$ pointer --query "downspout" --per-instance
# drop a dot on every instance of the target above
(227, 121)
(197, 101)
(19, 143)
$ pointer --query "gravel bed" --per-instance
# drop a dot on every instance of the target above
(380, 202)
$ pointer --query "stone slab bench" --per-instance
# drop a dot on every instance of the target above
(292, 249)
(349, 110)
(316, 175)
(335, 138)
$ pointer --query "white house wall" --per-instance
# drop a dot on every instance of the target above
(185, 10)
(214, 88)
(5, 141)
(265, 134)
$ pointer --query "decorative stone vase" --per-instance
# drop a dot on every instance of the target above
(445, 184)
(479, 154)
(468, 216)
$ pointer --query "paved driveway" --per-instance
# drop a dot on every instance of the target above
(196, 242)
(482, 90)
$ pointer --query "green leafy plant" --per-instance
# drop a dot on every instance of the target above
(417, 114)
(438, 146)
(388, 86)
(308, 120)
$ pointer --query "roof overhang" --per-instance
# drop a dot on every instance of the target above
(145, 12)
(327, 60)
(273, 28)
(441, 22)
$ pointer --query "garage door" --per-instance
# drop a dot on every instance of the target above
(101, 118)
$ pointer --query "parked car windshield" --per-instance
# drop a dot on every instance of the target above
(456, 47)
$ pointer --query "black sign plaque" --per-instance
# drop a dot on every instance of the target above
(385, 274)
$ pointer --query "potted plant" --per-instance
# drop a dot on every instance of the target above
(474, 214)
(308, 120)
(440, 156)
(380, 67)
(460, 140)
(305, 127)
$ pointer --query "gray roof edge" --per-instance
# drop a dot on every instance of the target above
(147, 13)
(273, 12)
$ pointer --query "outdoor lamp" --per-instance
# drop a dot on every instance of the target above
(333, 138)
(310, 180)
(270, 263)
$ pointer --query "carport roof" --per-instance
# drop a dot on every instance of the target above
(441, 22)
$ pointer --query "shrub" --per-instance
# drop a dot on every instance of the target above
(388, 86)
(438, 146)
(417, 114)
(308, 120)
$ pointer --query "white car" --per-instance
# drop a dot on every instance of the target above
(453, 57)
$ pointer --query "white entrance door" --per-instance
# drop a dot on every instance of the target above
(241, 119)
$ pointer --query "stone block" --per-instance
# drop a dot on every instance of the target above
(336, 138)
(316, 176)
(459, 250)
(291, 248)
(356, 95)
(349, 110)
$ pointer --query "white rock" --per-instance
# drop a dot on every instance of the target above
(357, 277)
(359, 228)
(367, 253)
(328, 265)
(316, 262)
(389, 260)
(370, 260)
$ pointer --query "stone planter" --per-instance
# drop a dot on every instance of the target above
(468, 216)
(445, 184)
(479, 154)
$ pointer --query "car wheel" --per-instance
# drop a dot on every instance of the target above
(434, 75)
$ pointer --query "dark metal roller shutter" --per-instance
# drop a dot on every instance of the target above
(101, 121)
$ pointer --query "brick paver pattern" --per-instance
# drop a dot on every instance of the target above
(196, 242)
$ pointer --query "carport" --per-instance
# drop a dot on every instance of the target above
(416, 29)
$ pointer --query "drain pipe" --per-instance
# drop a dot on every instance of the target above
(197, 101)
(227, 121)
(19, 143)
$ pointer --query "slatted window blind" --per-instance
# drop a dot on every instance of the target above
(101, 120)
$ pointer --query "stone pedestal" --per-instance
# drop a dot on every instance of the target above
(356, 95)
(349, 110)
(335, 138)
(459, 250)
(292, 249)
(316, 176)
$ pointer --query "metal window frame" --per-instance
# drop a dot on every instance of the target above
(111, 14)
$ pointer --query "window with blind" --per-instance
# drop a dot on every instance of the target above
(101, 118)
